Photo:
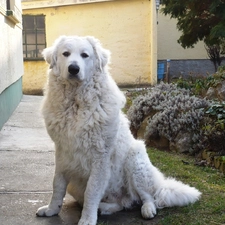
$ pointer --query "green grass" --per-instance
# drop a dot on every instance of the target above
(210, 210)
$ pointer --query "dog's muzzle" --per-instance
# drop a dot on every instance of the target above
(73, 70)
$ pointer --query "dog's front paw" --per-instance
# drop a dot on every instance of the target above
(148, 210)
(87, 222)
(46, 211)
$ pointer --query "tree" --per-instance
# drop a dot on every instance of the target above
(216, 54)
(197, 20)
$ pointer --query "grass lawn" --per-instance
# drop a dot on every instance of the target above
(210, 210)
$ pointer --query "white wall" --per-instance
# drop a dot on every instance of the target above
(11, 54)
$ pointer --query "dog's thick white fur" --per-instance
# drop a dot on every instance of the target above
(98, 161)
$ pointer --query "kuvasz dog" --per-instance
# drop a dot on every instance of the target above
(98, 161)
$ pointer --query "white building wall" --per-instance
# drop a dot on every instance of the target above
(11, 54)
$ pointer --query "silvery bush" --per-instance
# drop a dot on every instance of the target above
(169, 111)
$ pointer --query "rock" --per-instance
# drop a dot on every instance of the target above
(182, 143)
(221, 91)
(154, 140)
(217, 162)
(159, 142)
(217, 92)
(141, 131)
(211, 93)
(222, 167)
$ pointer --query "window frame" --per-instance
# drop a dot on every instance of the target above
(35, 31)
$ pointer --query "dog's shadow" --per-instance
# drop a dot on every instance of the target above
(71, 213)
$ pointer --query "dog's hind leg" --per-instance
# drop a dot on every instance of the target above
(140, 169)
(106, 208)
(143, 188)
(148, 209)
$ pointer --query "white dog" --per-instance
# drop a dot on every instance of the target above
(97, 159)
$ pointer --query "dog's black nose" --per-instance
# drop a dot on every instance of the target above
(73, 69)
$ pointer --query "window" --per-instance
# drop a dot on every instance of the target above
(14, 11)
(34, 40)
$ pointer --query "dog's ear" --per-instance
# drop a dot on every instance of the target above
(50, 56)
(50, 53)
(102, 54)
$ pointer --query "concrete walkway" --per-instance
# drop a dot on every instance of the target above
(26, 173)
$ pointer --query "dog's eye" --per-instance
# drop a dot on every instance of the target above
(84, 55)
(66, 54)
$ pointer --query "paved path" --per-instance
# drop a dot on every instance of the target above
(26, 173)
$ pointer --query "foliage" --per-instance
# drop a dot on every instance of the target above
(186, 116)
(217, 110)
(214, 128)
(197, 20)
(131, 94)
(170, 110)
(199, 86)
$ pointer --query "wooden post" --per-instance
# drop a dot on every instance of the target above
(167, 70)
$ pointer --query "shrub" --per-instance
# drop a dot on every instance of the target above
(169, 111)
(199, 86)
(214, 128)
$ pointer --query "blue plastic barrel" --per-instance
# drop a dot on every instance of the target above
(160, 71)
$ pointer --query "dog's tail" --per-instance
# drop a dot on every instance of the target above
(170, 192)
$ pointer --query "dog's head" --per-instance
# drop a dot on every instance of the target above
(76, 58)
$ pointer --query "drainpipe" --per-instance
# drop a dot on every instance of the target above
(157, 4)
(153, 41)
